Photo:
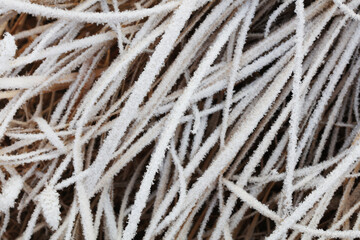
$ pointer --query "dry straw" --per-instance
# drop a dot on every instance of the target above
(179, 119)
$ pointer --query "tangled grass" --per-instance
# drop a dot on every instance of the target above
(191, 119)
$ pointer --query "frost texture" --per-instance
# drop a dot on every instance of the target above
(7, 51)
(50, 206)
(10, 192)
(179, 119)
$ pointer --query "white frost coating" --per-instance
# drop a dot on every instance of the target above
(179, 119)
(49, 132)
(50, 206)
(179, 109)
(7, 51)
(10, 191)
(296, 111)
(125, 16)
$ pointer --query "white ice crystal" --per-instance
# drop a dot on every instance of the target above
(10, 191)
(50, 206)
(7, 51)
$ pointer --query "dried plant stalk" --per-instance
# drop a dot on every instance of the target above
(193, 119)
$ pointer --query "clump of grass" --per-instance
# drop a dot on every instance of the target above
(233, 119)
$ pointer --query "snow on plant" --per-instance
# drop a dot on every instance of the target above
(179, 119)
